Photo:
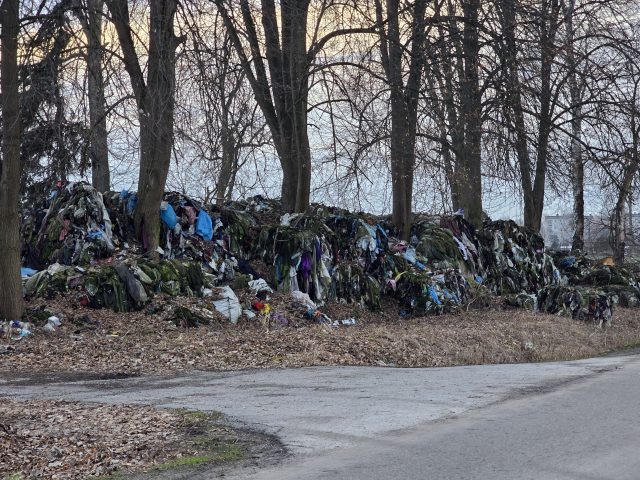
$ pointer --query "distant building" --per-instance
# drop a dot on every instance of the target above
(557, 231)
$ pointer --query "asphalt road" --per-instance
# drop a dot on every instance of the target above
(584, 430)
(569, 420)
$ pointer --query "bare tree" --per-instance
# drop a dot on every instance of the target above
(155, 99)
(404, 99)
(281, 86)
(219, 117)
(90, 17)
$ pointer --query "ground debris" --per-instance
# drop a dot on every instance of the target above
(57, 439)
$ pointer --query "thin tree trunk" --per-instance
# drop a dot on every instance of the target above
(575, 153)
(98, 145)
(619, 234)
(227, 164)
(578, 199)
(619, 224)
(630, 213)
(11, 304)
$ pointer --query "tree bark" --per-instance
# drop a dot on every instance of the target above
(98, 145)
(155, 99)
(575, 153)
(619, 230)
(471, 99)
(578, 194)
(11, 303)
(404, 103)
(629, 173)
(228, 162)
(532, 183)
(157, 136)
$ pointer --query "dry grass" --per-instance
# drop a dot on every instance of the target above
(138, 343)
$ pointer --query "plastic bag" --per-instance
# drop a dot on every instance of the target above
(229, 306)
(204, 226)
(168, 215)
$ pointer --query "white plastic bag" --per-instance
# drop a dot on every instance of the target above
(229, 306)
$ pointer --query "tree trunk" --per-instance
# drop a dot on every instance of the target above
(575, 146)
(98, 146)
(156, 122)
(578, 197)
(404, 103)
(619, 234)
(618, 223)
(630, 232)
(471, 99)
(402, 163)
(227, 164)
(155, 100)
(295, 87)
(11, 304)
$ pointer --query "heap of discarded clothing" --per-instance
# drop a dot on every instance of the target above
(514, 260)
(122, 287)
(71, 227)
(83, 242)
(590, 289)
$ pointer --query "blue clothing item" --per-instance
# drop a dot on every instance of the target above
(132, 203)
(204, 226)
(434, 295)
(567, 262)
(451, 296)
(130, 198)
(95, 235)
(168, 216)
(27, 272)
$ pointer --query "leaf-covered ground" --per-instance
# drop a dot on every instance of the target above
(70, 440)
(107, 342)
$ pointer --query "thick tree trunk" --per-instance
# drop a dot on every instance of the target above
(404, 103)
(471, 99)
(11, 304)
(156, 122)
(295, 87)
(155, 99)
(98, 146)
(282, 94)
(402, 166)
